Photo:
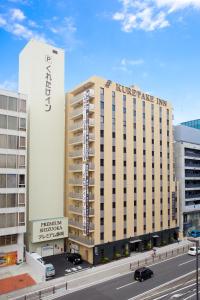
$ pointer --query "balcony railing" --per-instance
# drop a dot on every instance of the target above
(78, 167)
(191, 154)
(187, 175)
(80, 225)
(79, 125)
(79, 181)
(79, 196)
(79, 97)
(79, 111)
(79, 139)
(79, 210)
(194, 196)
(79, 153)
(82, 239)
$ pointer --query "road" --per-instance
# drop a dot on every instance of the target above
(171, 277)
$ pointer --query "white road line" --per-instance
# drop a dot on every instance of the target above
(162, 285)
(189, 297)
(186, 262)
(121, 287)
(174, 291)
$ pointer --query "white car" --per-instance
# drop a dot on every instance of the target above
(192, 251)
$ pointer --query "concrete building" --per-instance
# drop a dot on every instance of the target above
(120, 190)
(41, 77)
(13, 149)
(187, 162)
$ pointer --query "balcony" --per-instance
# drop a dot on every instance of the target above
(79, 196)
(79, 210)
(81, 239)
(79, 125)
(76, 113)
(79, 225)
(192, 197)
(79, 153)
(78, 167)
(79, 139)
(79, 98)
(79, 181)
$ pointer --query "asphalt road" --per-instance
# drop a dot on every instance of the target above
(125, 288)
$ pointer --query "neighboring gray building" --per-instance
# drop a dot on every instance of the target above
(187, 168)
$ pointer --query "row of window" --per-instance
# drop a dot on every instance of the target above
(12, 200)
(6, 240)
(12, 123)
(12, 180)
(12, 104)
(12, 142)
(12, 161)
(12, 220)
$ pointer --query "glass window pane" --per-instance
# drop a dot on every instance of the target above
(22, 106)
(21, 161)
(12, 123)
(22, 142)
(11, 161)
(12, 142)
(3, 102)
(21, 199)
(11, 200)
(21, 218)
(2, 220)
(12, 104)
(2, 181)
(3, 141)
(22, 124)
(2, 200)
(2, 160)
(3, 121)
(21, 180)
(11, 181)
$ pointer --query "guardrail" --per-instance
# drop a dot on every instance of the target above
(155, 258)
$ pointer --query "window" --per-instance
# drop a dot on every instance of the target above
(124, 149)
(21, 218)
(135, 177)
(124, 163)
(114, 219)
(144, 152)
(152, 165)
(113, 148)
(102, 192)
(124, 190)
(102, 177)
(113, 107)
(135, 164)
(144, 227)
(124, 136)
(102, 105)
(21, 161)
(113, 176)
(144, 190)
(102, 221)
(102, 120)
(144, 214)
(153, 201)
(135, 190)
(113, 233)
(2, 160)
(12, 104)
(113, 205)
(12, 180)
(144, 140)
(22, 106)
(134, 138)
(135, 202)
(102, 235)
(124, 176)
(134, 151)
(152, 153)
(101, 133)
(102, 148)
(22, 142)
(153, 189)
(113, 191)
(153, 213)
(101, 206)
(135, 216)
(113, 135)
(12, 123)
(21, 180)
(12, 161)
(3, 121)
(160, 143)
(101, 162)
(113, 162)
(21, 199)
(124, 217)
(152, 141)
(135, 229)
(124, 203)
(144, 202)
(124, 230)
(144, 165)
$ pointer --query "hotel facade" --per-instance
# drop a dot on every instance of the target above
(13, 158)
(121, 195)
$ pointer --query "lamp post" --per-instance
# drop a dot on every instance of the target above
(196, 241)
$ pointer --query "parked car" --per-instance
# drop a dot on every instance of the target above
(74, 258)
(143, 274)
(194, 233)
(50, 271)
(192, 250)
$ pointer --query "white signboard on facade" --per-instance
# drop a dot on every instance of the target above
(51, 229)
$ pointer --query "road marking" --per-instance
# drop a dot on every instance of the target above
(189, 297)
(186, 262)
(174, 291)
(121, 287)
(162, 285)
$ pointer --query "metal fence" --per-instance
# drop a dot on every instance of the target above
(157, 257)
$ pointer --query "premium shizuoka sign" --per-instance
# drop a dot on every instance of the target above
(85, 170)
(50, 229)
(48, 82)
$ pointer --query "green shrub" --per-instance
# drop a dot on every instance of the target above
(104, 260)
(148, 246)
(117, 255)
(126, 253)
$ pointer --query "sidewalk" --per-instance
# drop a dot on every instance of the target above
(99, 273)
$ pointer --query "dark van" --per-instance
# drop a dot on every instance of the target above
(143, 274)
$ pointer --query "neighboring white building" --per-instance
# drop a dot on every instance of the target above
(187, 165)
(41, 77)
(13, 151)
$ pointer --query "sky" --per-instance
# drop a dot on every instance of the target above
(154, 44)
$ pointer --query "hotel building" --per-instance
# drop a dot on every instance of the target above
(121, 194)
(13, 133)
(187, 162)
(41, 77)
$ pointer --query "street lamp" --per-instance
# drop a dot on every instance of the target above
(196, 241)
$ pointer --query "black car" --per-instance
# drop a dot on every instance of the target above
(74, 258)
(143, 274)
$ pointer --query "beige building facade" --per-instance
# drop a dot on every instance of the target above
(121, 194)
